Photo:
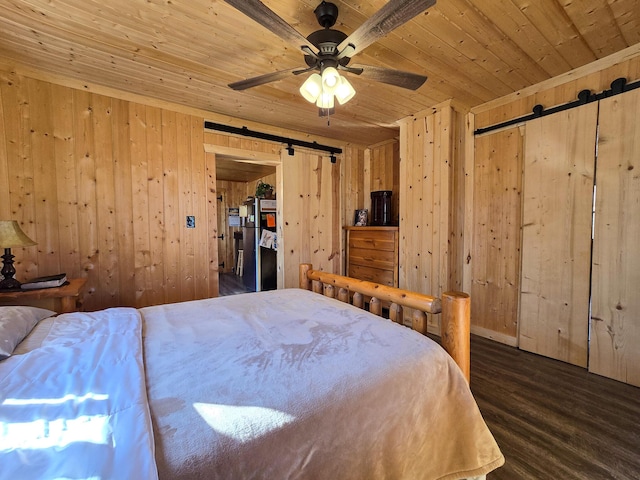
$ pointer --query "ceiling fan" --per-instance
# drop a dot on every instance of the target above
(328, 51)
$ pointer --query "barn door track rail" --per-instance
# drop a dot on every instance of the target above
(618, 86)
(290, 142)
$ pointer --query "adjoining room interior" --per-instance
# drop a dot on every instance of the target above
(236, 181)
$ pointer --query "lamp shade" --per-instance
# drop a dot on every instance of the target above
(325, 100)
(345, 91)
(312, 88)
(330, 80)
(11, 235)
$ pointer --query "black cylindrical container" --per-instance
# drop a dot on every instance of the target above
(381, 208)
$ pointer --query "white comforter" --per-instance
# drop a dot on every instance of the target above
(275, 385)
(290, 385)
(75, 407)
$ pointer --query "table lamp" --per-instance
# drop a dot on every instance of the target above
(11, 235)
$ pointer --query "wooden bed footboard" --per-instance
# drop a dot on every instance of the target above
(455, 307)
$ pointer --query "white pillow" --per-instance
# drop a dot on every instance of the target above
(15, 323)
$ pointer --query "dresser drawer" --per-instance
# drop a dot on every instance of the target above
(370, 274)
(377, 240)
(368, 257)
(372, 254)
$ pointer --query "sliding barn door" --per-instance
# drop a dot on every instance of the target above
(615, 317)
(556, 236)
(495, 250)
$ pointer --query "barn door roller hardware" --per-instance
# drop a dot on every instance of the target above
(245, 132)
(618, 86)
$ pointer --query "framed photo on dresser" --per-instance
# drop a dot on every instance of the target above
(361, 218)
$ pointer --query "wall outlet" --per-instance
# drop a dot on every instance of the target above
(191, 221)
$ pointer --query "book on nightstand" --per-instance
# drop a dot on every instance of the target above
(49, 281)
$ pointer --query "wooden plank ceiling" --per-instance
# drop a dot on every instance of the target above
(188, 51)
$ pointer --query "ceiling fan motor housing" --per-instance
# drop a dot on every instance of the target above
(326, 41)
(327, 14)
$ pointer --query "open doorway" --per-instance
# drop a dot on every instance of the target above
(236, 180)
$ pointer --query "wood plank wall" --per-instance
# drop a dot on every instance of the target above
(384, 174)
(557, 213)
(355, 189)
(311, 212)
(104, 186)
(614, 350)
(496, 166)
(494, 251)
(431, 164)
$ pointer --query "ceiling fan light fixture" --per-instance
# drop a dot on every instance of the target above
(345, 91)
(330, 79)
(311, 89)
(325, 100)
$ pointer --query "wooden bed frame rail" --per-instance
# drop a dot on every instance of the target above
(454, 306)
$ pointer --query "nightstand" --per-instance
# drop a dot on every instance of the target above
(60, 299)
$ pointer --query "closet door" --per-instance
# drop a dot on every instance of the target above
(559, 159)
(495, 250)
(615, 316)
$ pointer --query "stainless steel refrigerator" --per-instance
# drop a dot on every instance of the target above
(259, 261)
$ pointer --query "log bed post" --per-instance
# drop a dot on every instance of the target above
(305, 281)
(454, 306)
(455, 329)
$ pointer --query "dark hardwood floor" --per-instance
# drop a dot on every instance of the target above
(231, 284)
(553, 420)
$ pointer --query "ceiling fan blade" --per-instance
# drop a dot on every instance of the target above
(266, 17)
(350, 69)
(262, 79)
(392, 15)
(409, 80)
(304, 70)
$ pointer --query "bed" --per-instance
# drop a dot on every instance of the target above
(286, 384)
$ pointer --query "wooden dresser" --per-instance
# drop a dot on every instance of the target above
(372, 254)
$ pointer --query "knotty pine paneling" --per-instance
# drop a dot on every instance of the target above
(495, 249)
(431, 156)
(104, 186)
(494, 211)
(615, 322)
(353, 183)
(385, 173)
(311, 211)
(559, 170)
